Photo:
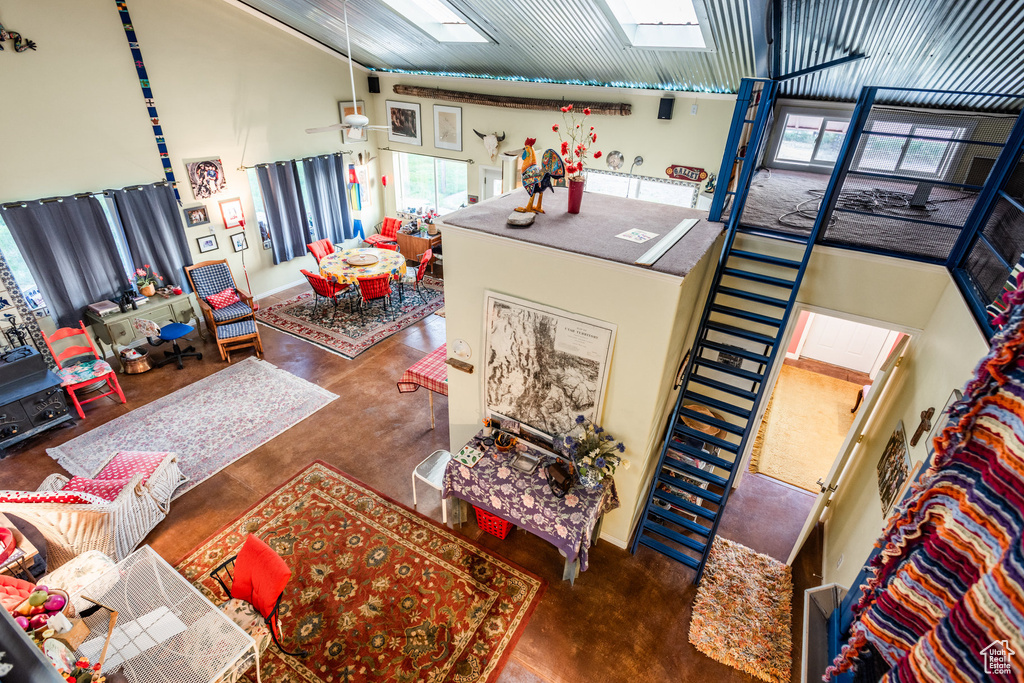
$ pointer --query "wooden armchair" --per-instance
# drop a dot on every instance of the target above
(233, 325)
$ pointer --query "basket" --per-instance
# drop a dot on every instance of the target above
(492, 524)
(133, 366)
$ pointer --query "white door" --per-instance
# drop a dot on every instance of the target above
(490, 182)
(845, 343)
(849, 445)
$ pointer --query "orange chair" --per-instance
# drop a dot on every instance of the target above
(373, 288)
(388, 232)
(417, 277)
(320, 249)
(390, 246)
(322, 287)
(74, 377)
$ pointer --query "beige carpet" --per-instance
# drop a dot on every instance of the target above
(806, 423)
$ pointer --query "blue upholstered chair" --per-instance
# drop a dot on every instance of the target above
(234, 325)
(157, 335)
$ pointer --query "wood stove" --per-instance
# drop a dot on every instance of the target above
(31, 398)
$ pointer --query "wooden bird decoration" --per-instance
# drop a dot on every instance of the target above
(19, 44)
(539, 177)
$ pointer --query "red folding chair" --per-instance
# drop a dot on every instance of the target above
(322, 287)
(320, 249)
(390, 246)
(85, 373)
(388, 232)
(374, 288)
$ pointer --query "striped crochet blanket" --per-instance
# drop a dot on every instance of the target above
(946, 602)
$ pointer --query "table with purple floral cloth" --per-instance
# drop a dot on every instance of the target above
(526, 500)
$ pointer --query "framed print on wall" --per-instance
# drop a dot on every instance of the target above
(448, 127)
(206, 177)
(238, 241)
(231, 212)
(207, 243)
(196, 215)
(404, 123)
(352, 134)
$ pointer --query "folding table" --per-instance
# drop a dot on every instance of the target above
(430, 372)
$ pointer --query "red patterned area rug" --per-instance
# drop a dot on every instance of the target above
(350, 333)
(378, 592)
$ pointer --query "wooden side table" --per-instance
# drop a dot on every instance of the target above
(21, 560)
(413, 246)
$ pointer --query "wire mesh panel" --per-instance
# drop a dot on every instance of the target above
(166, 630)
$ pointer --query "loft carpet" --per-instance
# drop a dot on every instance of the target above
(742, 615)
(350, 333)
(378, 592)
(209, 424)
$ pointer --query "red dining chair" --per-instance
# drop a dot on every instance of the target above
(373, 288)
(320, 249)
(388, 232)
(390, 246)
(416, 276)
(322, 287)
(84, 373)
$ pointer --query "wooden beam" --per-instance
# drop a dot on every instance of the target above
(605, 108)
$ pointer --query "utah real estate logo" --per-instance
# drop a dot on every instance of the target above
(997, 658)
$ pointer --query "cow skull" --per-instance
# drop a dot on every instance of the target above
(491, 142)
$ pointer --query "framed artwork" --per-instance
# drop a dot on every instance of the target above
(544, 366)
(448, 127)
(363, 176)
(207, 243)
(238, 241)
(231, 212)
(893, 468)
(404, 123)
(196, 215)
(206, 177)
(352, 135)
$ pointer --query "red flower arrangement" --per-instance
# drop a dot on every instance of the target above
(575, 148)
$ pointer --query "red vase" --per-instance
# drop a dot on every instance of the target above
(575, 195)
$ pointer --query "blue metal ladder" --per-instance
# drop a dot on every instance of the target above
(743, 324)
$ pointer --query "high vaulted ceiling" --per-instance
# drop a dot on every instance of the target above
(975, 45)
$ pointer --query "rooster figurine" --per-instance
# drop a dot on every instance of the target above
(538, 177)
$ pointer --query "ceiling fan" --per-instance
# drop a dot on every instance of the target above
(354, 121)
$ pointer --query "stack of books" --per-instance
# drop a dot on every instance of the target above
(102, 308)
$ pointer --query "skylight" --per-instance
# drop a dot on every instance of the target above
(438, 20)
(657, 24)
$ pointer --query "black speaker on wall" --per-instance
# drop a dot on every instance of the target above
(665, 108)
(374, 83)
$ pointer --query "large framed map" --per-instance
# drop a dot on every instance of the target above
(543, 366)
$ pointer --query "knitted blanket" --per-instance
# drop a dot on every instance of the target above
(946, 602)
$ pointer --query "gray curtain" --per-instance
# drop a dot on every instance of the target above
(153, 230)
(325, 177)
(286, 212)
(70, 249)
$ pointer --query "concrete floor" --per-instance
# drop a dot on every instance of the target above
(626, 619)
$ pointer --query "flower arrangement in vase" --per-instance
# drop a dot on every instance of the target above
(146, 279)
(578, 138)
(593, 451)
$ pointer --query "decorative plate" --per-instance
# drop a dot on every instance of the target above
(362, 259)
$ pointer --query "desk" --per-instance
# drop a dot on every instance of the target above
(116, 330)
(334, 268)
(570, 523)
(431, 373)
(23, 557)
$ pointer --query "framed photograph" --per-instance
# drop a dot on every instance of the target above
(350, 135)
(448, 127)
(238, 241)
(196, 215)
(231, 212)
(544, 366)
(206, 177)
(893, 468)
(404, 123)
(207, 243)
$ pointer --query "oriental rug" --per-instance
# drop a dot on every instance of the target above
(210, 423)
(378, 592)
(350, 333)
(741, 615)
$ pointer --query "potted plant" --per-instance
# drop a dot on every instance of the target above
(145, 280)
(593, 452)
(575, 145)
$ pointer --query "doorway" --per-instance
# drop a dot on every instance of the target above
(490, 182)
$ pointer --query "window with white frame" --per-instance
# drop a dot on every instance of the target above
(660, 190)
(655, 24)
(430, 183)
(809, 140)
(907, 148)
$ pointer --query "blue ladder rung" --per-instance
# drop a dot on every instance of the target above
(716, 404)
(690, 562)
(729, 370)
(753, 296)
(758, 277)
(698, 454)
(681, 429)
(746, 315)
(665, 532)
(678, 520)
(722, 386)
(691, 471)
(684, 504)
(734, 331)
(711, 420)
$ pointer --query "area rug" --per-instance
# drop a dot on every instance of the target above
(809, 418)
(350, 334)
(741, 615)
(209, 423)
(378, 592)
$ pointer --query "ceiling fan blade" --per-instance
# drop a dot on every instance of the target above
(327, 129)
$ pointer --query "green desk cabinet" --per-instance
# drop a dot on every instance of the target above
(117, 331)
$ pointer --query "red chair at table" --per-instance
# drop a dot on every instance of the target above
(417, 277)
(373, 288)
(390, 246)
(320, 249)
(388, 232)
(85, 373)
(322, 287)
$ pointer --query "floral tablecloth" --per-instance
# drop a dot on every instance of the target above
(527, 501)
(334, 268)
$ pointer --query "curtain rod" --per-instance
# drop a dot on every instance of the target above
(388, 149)
(83, 195)
(243, 167)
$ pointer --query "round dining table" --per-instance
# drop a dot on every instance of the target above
(335, 267)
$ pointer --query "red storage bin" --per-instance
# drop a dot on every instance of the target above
(492, 524)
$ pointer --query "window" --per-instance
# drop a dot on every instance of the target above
(438, 20)
(811, 140)
(22, 276)
(655, 24)
(429, 183)
(660, 190)
(908, 148)
(261, 211)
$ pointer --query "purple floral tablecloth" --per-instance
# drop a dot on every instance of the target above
(527, 501)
